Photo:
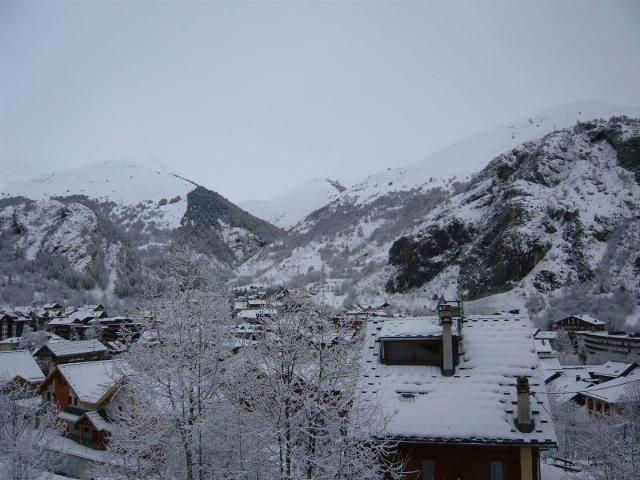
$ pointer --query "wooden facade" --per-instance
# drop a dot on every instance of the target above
(86, 433)
(12, 325)
(84, 422)
(575, 323)
(426, 461)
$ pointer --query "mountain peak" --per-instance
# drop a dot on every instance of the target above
(288, 208)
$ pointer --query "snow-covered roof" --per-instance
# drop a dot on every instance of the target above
(92, 380)
(412, 327)
(72, 314)
(614, 369)
(616, 335)
(51, 305)
(68, 348)
(16, 316)
(112, 320)
(68, 416)
(545, 334)
(11, 340)
(97, 421)
(614, 391)
(19, 363)
(571, 379)
(253, 313)
(476, 405)
(14, 340)
(549, 366)
(544, 348)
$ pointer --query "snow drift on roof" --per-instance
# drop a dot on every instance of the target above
(477, 405)
(66, 348)
(413, 327)
(92, 380)
(19, 363)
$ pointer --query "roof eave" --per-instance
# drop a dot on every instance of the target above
(490, 442)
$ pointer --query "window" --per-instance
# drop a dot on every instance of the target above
(398, 352)
(428, 353)
(497, 471)
(70, 400)
(48, 396)
(416, 352)
(428, 470)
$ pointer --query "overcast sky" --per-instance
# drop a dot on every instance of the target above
(251, 99)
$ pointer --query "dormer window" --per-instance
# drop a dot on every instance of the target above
(412, 352)
(415, 351)
(415, 341)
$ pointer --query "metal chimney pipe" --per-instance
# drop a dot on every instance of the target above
(524, 422)
(446, 320)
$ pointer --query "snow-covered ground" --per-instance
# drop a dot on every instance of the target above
(551, 472)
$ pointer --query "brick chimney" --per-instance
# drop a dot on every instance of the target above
(524, 422)
(445, 311)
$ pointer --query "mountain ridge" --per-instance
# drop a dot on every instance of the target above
(371, 255)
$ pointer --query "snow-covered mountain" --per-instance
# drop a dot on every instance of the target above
(367, 217)
(288, 208)
(378, 242)
(469, 155)
(101, 221)
(156, 197)
(555, 220)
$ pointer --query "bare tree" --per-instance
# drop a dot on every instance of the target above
(298, 393)
(26, 428)
(172, 405)
(608, 444)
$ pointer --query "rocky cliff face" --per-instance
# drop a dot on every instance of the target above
(51, 246)
(552, 213)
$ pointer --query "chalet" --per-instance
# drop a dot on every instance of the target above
(360, 312)
(575, 323)
(600, 389)
(111, 329)
(86, 397)
(12, 323)
(43, 315)
(58, 352)
(14, 343)
(19, 367)
(610, 396)
(462, 396)
(54, 308)
(75, 322)
(248, 331)
(256, 315)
